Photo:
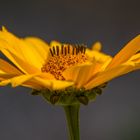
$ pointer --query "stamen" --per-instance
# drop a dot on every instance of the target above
(77, 49)
(68, 49)
(54, 50)
(51, 52)
(73, 50)
(57, 48)
(62, 48)
(65, 50)
(84, 49)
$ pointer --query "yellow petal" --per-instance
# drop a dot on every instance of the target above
(129, 50)
(21, 64)
(86, 73)
(98, 56)
(71, 73)
(32, 84)
(58, 85)
(1, 74)
(10, 57)
(97, 46)
(31, 55)
(19, 80)
(80, 74)
(46, 76)
(11, 42)
(54, 84)
(24, 51)
(4, 82)
(4, 76)
(135, 60)
(105, 64)
(44, 83)
(110, 74)
(8, 68)
(1, 71)
(5, 46)
(21, 48)
(24, 80)
(16, 81)
(41, 46)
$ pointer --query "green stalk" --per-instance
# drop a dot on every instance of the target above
(72, 116)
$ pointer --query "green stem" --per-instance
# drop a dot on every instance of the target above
(72, 116)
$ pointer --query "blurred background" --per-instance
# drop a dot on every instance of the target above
(115, 115)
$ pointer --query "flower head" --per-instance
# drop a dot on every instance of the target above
(58, 67)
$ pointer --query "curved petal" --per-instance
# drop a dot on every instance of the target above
(129, 50)
(5, 76)
(86, 73)
(1, 75)
(21, 64)
(31, 54)
(25, 50)
(32, 84)
(16, 80)
(80, 74)
(10, 41)
(71, 73)
(4, 82)
(135, 59)
(19, 80)
(8, 68)
(41, 47)
(98, 56)
(7, 71)
(110, 74)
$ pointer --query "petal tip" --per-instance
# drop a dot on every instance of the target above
(97, 46)
(4, 29)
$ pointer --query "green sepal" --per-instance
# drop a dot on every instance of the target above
(35, 92)
(98, 91)
(91, 95)
(103, 85)
(83, 99)
(54, 99)
(70, 95)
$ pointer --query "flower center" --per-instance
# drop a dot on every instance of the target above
(63, 57)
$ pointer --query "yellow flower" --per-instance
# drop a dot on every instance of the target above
(55, 66)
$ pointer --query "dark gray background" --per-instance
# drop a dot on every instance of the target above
(115, 115)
